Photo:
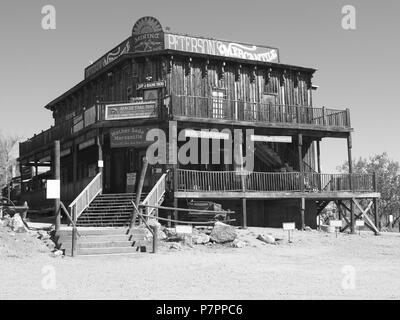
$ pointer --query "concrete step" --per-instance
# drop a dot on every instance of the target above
(110, 250)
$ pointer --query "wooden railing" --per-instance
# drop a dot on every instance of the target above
(86, 118)
(224, 109)
(155, 195)
(230, 181)
(84, 199)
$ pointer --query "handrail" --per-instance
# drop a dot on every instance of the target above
(83, 200)
(240, 110)
(231, 181)
(155, 194)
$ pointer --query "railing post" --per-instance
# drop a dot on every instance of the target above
(376, 202)
(348, 122)
(323, 116)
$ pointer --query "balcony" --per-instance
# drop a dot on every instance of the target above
(104, 111)
(194, 108)
(233, 184)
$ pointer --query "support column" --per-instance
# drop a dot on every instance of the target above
(300, 158)
(319, 156)
(244, 211)
(74, 167)
(303, 210)
(56, 172)
(376, 204)
(100, 164)
(350, 161)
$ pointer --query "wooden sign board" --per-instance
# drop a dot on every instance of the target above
(151, 85)
(288, 226)
(183, 229)
(336, 223)
(53, 189)
(132, 110)
(282, 139)
(129, 137)
(360, 223)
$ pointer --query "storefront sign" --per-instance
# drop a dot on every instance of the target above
(151, 85)
(220, 48)
(147, 35)
(133, 110)
(118, 51)
(129, 137)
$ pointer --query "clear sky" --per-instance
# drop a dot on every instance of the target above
(357, 69)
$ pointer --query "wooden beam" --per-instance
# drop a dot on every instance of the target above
(57, 176)
(365, 215)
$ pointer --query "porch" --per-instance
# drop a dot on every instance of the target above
(273, 185)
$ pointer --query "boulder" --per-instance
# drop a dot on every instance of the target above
(154, 222)
(222, 233)
(238, 243)
(57, 253)
(266, 238)
(176, 246)
(201, 238)
(43, 235)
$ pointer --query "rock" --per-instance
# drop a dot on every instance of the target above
(50, 244)
(170, 232)
(154, 222)
(267, 239)
(43, 235)
(201, 238)
(161, 235)
(222, 233)
(57, 253)
(2, 223)
(307, 228)
(238, 243)
(176, 246)
(17, 224)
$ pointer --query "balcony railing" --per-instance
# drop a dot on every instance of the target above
(238, 110)
(231, 181)
(90, 116)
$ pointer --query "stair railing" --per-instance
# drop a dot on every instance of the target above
(83, 200)
(155, 195)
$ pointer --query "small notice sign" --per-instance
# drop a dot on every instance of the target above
(336, 223)
(53, 189)
(289, 226)
(183, 229)
(360, 223)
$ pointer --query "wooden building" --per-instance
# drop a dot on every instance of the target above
(160, 79)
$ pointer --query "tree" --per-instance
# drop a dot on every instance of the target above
(7, 159)
(388, 180)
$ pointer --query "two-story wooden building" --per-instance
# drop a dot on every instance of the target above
(160, 79)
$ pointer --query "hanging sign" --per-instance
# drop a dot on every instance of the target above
(133, 110)
(151, 85)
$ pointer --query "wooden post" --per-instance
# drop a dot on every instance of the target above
(376, 203)
(302, 211)
(74, 233)
(319, 156)
(300, 156)
(350, 161)
(139, 189)
(244, 209)
(56, 168)
(100, 158)
(155, 238)
(74, 167)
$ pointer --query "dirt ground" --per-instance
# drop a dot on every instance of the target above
(316, 265)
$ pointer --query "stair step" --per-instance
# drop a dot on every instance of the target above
(110, 250)
(103, 244)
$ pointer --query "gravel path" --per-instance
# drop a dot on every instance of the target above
(315, 266)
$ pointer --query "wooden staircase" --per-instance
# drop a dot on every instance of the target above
(109, 210)
(105, 241)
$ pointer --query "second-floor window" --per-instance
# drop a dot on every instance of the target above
(218, 103)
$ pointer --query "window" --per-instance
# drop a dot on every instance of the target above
(218, 103)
